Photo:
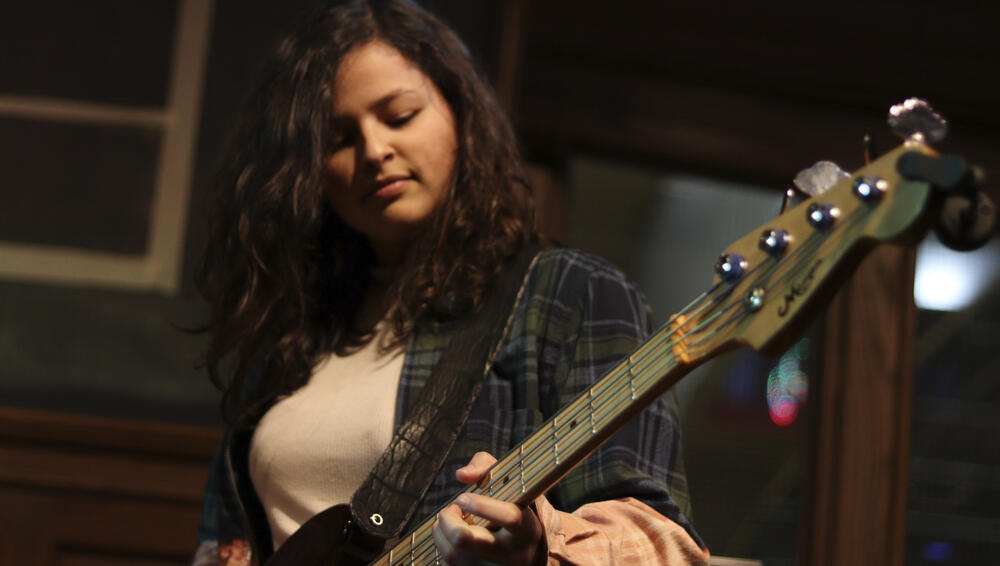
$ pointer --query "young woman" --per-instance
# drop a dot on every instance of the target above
(373, 194)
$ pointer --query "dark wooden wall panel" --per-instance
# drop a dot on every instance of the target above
(88, 491)
(753, 91)
(785, 47)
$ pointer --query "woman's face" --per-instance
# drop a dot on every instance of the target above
(393, 157)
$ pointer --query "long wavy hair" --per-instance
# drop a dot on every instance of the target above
(282, 274)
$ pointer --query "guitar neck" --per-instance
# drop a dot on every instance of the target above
(565, 440)
(572, 434)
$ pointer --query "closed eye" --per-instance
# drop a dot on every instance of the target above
(401, 121)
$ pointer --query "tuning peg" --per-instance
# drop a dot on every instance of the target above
(915, 119)
(818, 179)
(947, 173)
(813, 181)
(868, 147)
(968, 217)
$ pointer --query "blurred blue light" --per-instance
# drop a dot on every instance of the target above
(950, 280)
(937, 551)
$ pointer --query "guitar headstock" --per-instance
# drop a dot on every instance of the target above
(766, 280)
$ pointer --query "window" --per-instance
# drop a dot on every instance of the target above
(99, 108)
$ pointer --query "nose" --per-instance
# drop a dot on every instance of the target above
(376, 145)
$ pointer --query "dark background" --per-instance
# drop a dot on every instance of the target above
(747, 92)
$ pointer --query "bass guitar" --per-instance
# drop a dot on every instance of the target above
(766, 286)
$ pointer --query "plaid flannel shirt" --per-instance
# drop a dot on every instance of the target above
(577, 318)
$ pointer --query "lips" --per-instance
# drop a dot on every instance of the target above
(388, 186)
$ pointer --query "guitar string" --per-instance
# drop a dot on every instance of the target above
(818, 238)
(539, 450)
(584, 403)
(600, 389)
(603, 415)
(598, 411)
(606, 412)
(813, 244)
(533, 452)
(791, 261)
(418, 552)
(815, 240)
(570, 438)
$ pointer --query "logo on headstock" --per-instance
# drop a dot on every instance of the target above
(799, 288)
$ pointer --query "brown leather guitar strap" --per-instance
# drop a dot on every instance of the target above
(387, 499)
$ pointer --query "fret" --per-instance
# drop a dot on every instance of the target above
(520, 463)
(593, 425)
(631, 378)
(555, 440)
(412, 535)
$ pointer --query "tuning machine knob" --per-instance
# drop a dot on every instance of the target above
(915, 119)
(774, 241)
(730, 267)
(869, 188)
(822, 216)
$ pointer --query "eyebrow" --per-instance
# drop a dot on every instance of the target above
(385, 99)
(390, 96)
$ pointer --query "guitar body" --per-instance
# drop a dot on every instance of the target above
(325, 539)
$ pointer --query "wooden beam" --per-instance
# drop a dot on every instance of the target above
(509, 51)
(859, 485)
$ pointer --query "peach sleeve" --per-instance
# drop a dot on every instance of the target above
(616, 532)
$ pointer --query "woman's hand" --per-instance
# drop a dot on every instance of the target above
(513, 536)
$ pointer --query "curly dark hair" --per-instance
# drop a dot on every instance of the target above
(282, 274)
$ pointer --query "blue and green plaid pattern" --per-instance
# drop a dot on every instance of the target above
(577, 318)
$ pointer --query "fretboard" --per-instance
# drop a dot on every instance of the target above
(562, 442)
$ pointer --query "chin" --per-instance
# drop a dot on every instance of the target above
(399, 229)
(406, 218)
